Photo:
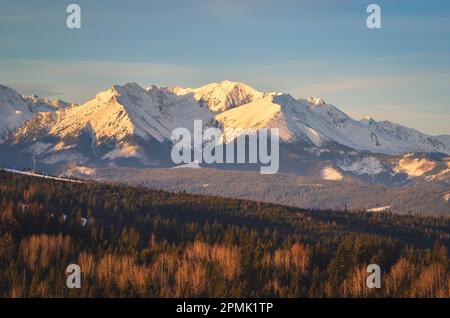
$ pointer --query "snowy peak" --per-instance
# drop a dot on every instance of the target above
(117, 123)
(130, 125)
(408, 139)
(315, 122)
(400, 131)
(124, 113)
(12, 98)
(129, 89)
(116, 113)
(222, 96)
(316, 101)
(294, 119)
(16, 109)
(7, 93)
(43, 104)
(368, 121)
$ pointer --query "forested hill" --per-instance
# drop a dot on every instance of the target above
(132, 241)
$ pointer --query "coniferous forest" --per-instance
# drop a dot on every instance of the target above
(136, 242)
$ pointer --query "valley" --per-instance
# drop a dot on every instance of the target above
(298, 191)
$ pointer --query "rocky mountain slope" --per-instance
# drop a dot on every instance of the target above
(131, 126)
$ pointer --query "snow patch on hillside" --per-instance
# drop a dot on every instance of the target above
(380, 209)
(123, 151)
(443, 174)
(414, 167)
(39, 148)
(79, 171)
(329, 173)
(366, 165)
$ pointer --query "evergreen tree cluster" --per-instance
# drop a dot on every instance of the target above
(137, 242)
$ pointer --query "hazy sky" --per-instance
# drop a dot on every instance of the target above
(316, 48)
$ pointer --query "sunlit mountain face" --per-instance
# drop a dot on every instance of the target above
(131, 126)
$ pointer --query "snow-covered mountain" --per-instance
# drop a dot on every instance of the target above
(318, 123)
(16, 109)
(221, 96)
(132, 123)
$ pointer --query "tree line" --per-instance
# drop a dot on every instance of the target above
(137, 242)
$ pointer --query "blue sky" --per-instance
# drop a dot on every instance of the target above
(306, 48)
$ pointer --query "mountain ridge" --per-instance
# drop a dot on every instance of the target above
(128, 122)
(16, 109)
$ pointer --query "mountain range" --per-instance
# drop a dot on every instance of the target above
(130, 126)
(16, 109)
